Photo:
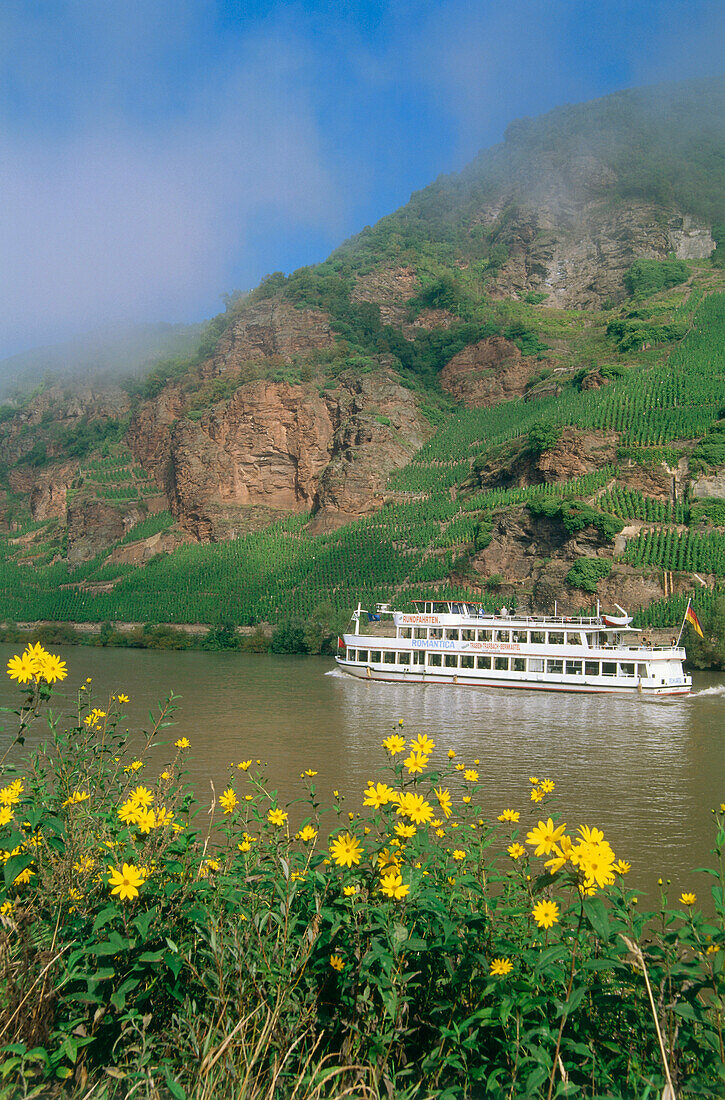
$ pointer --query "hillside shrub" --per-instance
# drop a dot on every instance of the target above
(708, 511)
(645, 277)
(585, 573)
(431, 945)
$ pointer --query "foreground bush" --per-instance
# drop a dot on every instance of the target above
(426, 947)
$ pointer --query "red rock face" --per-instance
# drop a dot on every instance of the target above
(273, 328)
(276, 448)
(488, 372)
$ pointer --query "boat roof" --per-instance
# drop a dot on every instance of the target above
(469, 609)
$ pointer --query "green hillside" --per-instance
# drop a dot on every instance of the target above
(645, 376)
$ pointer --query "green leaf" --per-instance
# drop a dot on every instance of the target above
(596, 914)
(104, 917)
(143, 920)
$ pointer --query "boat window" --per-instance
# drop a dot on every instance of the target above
(466, 661)
(609, 668)
(428, 608)
(389, 657)
(555, 666)
(520, 636)
(352, 654)
(573, 668)
(453, 635)
(404, 632)
(456, 609)
(591, 668)
(537, 637)
(626, 669)
(501, 664)
(556, 637)
(436, 632)
(420, 632)
(641, 670)
(574, 639)
(468, 635)
(434, 659)
(472, 609)
(483, 635)
(502, 636)
(362, 655)
(419, 657)
(375, 656)
(404, 658)
(483, 662)
(451, 660)
(519, 664)
(536, 664)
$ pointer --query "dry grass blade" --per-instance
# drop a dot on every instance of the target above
(634, 948)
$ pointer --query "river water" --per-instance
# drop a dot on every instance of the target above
(647, 772)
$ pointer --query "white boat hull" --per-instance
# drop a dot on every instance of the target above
(435, 677)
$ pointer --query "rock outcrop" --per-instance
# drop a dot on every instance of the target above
(267, 330)
(488, 372)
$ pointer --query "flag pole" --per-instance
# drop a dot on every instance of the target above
(683, 622)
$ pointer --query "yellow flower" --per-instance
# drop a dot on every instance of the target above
(228, 801)
(23, 878)
(51, 668)
(77, 796)
(6, 909)
(378, 794)
(499, 968)
(276, 817)
(422, 745)
(440, 832)
(597, 862)
(123, 698)
(346, 850)
(416, 762)
(563, 852)
(307, 833)
(22, 668)
(459, 854)
(451, 754)
(245, 765)
(547, 786)
(712, 949)
(545, 836)
(6, 815)
(460, 767)
(405, 831)
(534, 780)
(309, 773)
(590, 836)
(166, 776)
(129, 811)
(163, 817)
(394, 744)
(466, 798)
(142, 796)
(392, 886)
(622, 867)
(145, 820)
(416, 808)
(546, 913)
(336, 962)
(244, 846)
(208, 865)
(387, 860)
(509, 815)
(451, 881)
(471, 775)
(183, 743)
(444, 800)
(688, 899)
(84, 865)
(537, 795)
(350, 891)
(516, 851)
(11, 794)
(94, 717)
(125, 882)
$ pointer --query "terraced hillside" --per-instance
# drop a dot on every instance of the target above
(433, 409)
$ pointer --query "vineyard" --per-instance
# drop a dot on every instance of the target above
(434, 519)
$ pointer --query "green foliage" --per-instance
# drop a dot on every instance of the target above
(544, 437)
(221, 636)
(708, 511)
(261, 949)
(710, 451)
(684, 551)
(717, 256)
(585, 573)
(708, 652)
(646, 277)
(576, 515)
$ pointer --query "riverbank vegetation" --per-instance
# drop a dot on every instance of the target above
(429, 945)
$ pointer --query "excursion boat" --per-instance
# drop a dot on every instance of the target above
(449, 642)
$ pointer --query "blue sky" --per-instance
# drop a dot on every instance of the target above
(155, 154)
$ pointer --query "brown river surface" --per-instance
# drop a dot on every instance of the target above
(647, 772)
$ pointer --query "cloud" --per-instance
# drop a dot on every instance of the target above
(122, 213)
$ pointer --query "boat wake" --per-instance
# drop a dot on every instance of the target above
(719, 690)
(337, 673)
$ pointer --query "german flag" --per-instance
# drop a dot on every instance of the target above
(693, 620)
